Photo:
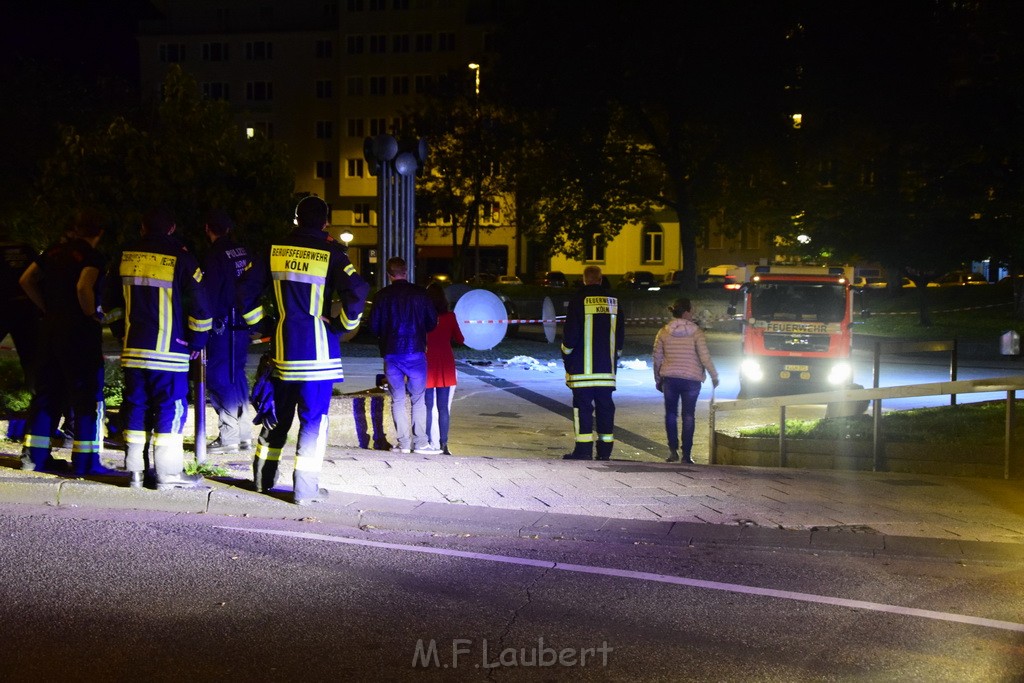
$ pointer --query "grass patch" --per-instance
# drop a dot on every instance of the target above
(205, 469)
(974, 423)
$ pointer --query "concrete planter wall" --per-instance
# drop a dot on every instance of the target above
(916, 458)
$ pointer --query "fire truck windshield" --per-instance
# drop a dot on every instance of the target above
(810, 302)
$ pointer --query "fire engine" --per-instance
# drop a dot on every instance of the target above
(796, 328)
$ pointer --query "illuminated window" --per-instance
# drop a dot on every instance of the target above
(361, 213)
(263, 129)
(594, 248)
(354, 168)
(653, 244)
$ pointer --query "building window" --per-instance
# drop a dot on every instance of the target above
(259, 50)
(355, 5)
(867, 174)
(356, 128)
(490, 212)
(259, 91)
(355, 45)
(400, 43)
(324, 90)
(400, 85)
(215, 52)
(445, 42)
(378, 5)
(324, 130)
(324, 49)
(266, 13)
(263, 129)
(400, 4)
(354, 168)
(826, 173)
(653, 244)
(361, 213)
(324, 169)
(378, 126)
(171, 53)
(378, 44)
(424, 42)
(331, 9)
(424, 85)
(378, 85)
(215, 91)
(594, 248)
(354, 86)
(750, 238)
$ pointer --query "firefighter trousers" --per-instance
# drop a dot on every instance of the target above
(593, 407)
(154, 401)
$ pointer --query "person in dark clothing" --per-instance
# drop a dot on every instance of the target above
(592, 339)
(307, 268)
(64, 283)
(228, 347)
(159, 286)
(19, 317)
(401, 317)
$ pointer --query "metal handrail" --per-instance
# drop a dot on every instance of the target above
(1009, 384)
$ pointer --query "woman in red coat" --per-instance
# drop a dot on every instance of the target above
(441, 367)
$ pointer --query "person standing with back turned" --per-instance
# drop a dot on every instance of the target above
(401, 317)
(680, 358)
(441, 374)
(159, 285)
(306, 268)
(228, 347)
(592, 339)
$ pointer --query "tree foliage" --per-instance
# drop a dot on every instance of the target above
(189, 156)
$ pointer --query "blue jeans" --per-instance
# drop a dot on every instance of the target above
(442, 396)
(407, 382)
(676, 388)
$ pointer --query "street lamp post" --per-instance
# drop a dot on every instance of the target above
(476, 91)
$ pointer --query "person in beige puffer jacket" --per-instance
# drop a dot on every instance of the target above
(681, 358)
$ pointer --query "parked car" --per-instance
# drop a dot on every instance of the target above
(554, 278)
(959, 278)
(509, 280)
(672, 278)
(481, 279)
(640, 279)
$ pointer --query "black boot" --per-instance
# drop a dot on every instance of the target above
(687, 460)
(89, 463)
(444, 449)
(673, 456)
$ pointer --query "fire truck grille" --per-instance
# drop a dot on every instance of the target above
(796, 342)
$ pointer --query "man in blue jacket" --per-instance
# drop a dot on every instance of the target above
(401, 316)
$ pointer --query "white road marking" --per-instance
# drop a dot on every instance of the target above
(659, 578)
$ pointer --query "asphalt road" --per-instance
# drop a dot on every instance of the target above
(111, 596)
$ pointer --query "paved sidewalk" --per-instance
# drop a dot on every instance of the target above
(509, 428)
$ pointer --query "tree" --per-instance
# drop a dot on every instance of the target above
(188, 156)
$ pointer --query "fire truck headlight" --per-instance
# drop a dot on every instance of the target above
(841, 373)
(751, 370)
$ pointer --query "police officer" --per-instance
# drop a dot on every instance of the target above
(160, 287)
(592, 340)
(64, 283)
(307, 268)
(228, 346)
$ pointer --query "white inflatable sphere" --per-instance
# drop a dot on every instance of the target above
(481, 305)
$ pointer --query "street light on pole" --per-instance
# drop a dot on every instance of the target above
(476, 90)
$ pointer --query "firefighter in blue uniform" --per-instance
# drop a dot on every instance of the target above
(592, 339)
(228, 347)
(159, 285)
(306, 268)
(64, 283)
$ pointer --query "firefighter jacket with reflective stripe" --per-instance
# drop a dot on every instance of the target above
(159, 285)
(306, 270)
(592, 338)
(224, 263)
